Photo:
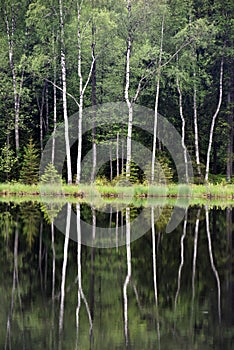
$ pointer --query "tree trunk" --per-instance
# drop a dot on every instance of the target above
(17, 90)
(64, 92)
(213, 121)
(156, 104)
(117, 155)
(129, 103)
(196, 126)
(94, 102)
(183, 129)
(230, 131)
(55, 101)
(82, 92)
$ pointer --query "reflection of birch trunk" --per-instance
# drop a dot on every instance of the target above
(155, 273)
(195, 251)
(15, 285)
(117, 229)
(53, 280)
(64, 268)
(194, 270)
(182, 257)
(129, 272)
(40, 252)
(80, 293)
(212, 262)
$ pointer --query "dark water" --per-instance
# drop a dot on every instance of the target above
(162, 291)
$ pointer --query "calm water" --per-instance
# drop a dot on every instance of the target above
(162, 291)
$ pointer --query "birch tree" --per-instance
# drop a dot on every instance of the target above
(82, 89)
(11, 17)
(214, 120)
(64, 93)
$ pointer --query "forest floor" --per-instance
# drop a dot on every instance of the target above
(209, 191)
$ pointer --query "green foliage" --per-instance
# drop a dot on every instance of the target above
(51, 175)
(29, 173)
(7, 162)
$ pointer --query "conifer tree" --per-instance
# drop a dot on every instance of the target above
(30, 168)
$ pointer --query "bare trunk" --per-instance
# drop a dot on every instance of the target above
(130, 109)
(111, 164)
(16, 90)
(183, 129)
(55, 103)
(231, 131)
(94, 102)
(64, 92)
(196, 126)
(117, 154)
(213, 121)
(156, 104)
(82, 92)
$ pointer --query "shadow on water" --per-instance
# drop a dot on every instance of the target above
(161, 291)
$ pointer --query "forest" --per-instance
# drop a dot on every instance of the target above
(59, 58)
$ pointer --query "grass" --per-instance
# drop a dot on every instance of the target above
(89, 192)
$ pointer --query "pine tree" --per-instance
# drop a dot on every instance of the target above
(30, 168)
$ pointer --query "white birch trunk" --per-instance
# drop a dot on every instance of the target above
(183, 129)
(213, 121)
(17, 94)
(129, 104)
(64, 92)
(82, 92)
(156, 104)
(196, 126)
(55, 103)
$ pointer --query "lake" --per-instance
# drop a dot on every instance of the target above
(147, 289)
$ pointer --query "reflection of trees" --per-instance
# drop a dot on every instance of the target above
(64, 268)
(80, 294)
(181, 257)
(14, 286)
(155, 273)
(128, 276)
(212, 262)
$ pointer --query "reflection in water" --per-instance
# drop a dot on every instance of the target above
(181, 257)
(64, 269)
(80, 293)
(194, 271)
(161, 310)
(129, 272)
(212, 262)
(155, 273)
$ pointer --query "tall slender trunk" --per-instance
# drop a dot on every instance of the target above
(214, 120)
(82, 91)
(64, 92)
(196, 126)
(94, 102)
(231, 129)
(129, 103)
(117, 154)
(17, 90)
(156, 104)
(111, 163)
(183, 129)
(55, 100)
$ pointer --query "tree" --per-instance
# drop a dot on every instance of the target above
(29, 173)
(7, 162)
